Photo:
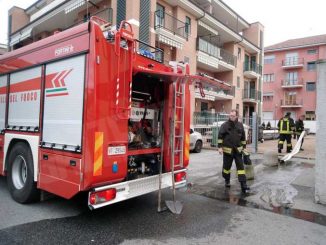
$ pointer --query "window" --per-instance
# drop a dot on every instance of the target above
(311, 66)
(291, 59)
(238, 82)
(310, 116)
(239, 53)
(269, 78)
(159, 17)
(268, 96)
(312, 51)
(188, 25)
(311, 86)
(270, 59)
(291, 78)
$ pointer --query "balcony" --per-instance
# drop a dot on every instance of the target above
(252, 70)
(213, 58)
(292, 63)
(213, 94)
(170, 30)
(290, 83)
(291, 103)
(251, 95)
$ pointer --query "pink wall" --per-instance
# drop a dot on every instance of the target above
(308, 98)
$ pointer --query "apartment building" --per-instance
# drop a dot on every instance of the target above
(207, 34)
(3, 48)
(290, 77)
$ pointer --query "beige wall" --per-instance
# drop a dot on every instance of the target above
(253, 33)
(19, 18)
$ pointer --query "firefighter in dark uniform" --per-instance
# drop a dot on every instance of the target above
(299, 128)
(231, 142)
(286, 127)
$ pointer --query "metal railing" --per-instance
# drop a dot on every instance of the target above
(228, 57)
(253, 66)
(170, 23)
(148, 51)
(292, 82)
(208, 48)
(217, 91)
(208, 125)
(105, 14)
(251, 94)
(292, 61)
(292, 102)
(215, 51)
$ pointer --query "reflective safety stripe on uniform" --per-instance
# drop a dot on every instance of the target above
(227, 150)
(220, 141)
(241, 175)
(243, 142)
(226, 171)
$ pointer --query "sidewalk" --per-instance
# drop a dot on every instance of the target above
(308, 146)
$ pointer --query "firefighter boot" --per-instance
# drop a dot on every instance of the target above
(227, 184)
(244, 188)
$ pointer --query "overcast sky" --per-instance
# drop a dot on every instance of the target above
(283, 19)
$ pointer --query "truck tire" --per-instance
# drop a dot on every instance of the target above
(20, 177)
(198, 146)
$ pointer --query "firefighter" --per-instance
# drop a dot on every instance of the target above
(231, 142)
(299, 128)
(286, 127)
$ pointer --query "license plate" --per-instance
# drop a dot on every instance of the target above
(116, 150)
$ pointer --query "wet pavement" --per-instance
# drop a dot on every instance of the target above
(283, 189)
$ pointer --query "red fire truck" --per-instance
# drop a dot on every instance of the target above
(92, 110)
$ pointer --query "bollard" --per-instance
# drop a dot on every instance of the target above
(270, 158)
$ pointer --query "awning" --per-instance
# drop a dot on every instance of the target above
(170, 41)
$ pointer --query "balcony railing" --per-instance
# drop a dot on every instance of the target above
(252, 66)
(208, 48)
(218, 91)
(251, 94)
(293, 61)
(170, 23)
(292, 83)
(215, 51)
(292, 102)
(105, 14)
(228, 57)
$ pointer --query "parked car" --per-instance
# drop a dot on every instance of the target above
(196, 141)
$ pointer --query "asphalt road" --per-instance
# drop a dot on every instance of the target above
(203, 221)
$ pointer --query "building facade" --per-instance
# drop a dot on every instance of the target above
(290, 77)
(3, 48)
(207, 34)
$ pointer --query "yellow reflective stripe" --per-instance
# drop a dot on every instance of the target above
(220, 141)
(241, 172)
(98, 154)
(289, 144)
(226, 171)
(227, 150)
(187, 141)
(281, 142)
(243, 142)
(285, 132)
(245, 151)
(240, 148)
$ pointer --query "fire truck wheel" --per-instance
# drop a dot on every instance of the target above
(198, 146)
(20, 177)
